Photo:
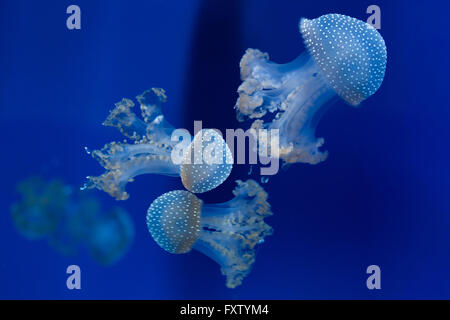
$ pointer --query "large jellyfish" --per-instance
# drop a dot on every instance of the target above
(345, 59)
(226, 232)
(154, 148)
(68, 221)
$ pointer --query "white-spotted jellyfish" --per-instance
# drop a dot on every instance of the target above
(227, 232)
(345, 59)
(151, 150)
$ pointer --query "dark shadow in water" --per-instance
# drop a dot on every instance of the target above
(210, 94)
(213, 74)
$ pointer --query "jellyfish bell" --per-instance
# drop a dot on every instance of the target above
(227, 233)
(150, 150)
(350, 53)
(345, 59)
(207, 162)
(173, 220)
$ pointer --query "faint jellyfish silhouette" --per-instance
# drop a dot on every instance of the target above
(69, 221)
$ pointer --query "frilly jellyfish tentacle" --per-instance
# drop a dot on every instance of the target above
(231, 231)
(153, 127)
(226, 232)
(346, 58)
(152, 150)
(296, 91)
(123, 162)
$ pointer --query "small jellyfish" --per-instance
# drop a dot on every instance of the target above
(345, 59)
(227, 232)
(153, 149)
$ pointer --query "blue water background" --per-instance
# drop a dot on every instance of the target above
(382, 197)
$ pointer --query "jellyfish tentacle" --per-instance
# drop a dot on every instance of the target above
(115, 179)
(125, 120)
(158, 130)
(232, 230)
(259, 91)
(299, 95)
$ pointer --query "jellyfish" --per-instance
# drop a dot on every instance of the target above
(227, 232)
(206, 160)
(70, 221)
(345, 60)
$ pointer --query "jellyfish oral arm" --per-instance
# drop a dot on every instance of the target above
(226, 243)
(296, 94)
(150, 153)
(231, 230)
(123, 162)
